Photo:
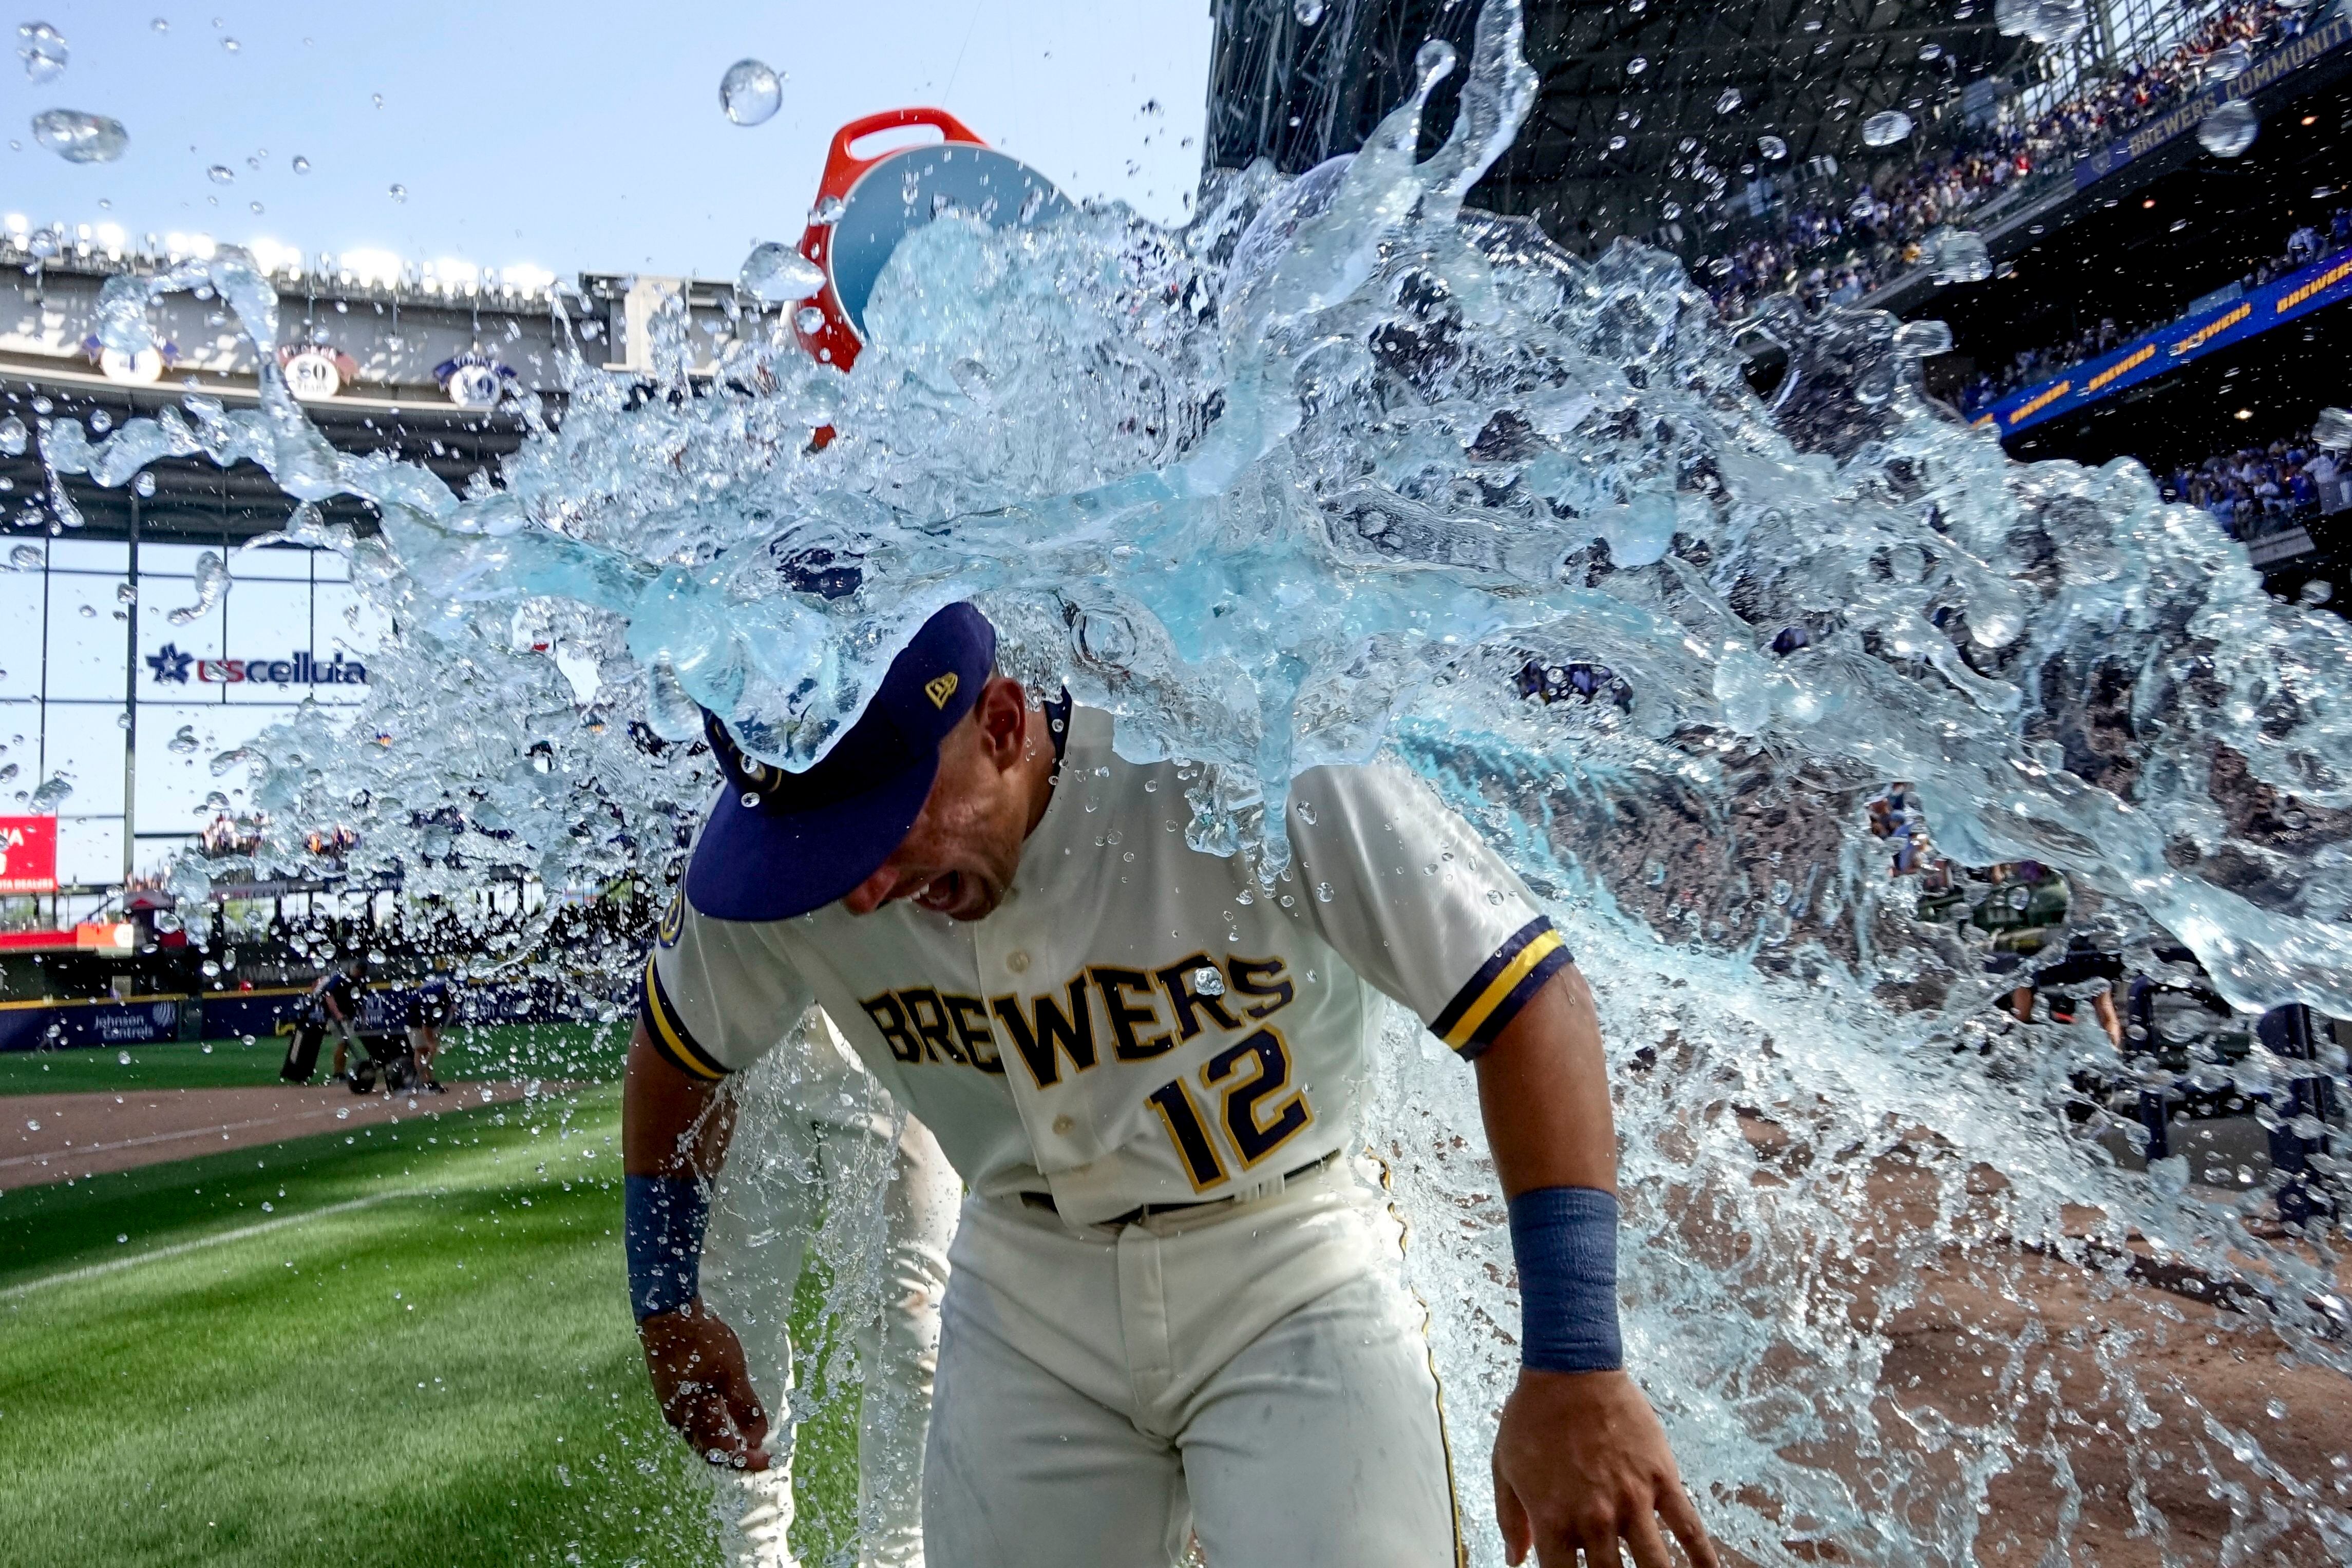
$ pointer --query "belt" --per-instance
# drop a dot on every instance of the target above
(1044, 1200)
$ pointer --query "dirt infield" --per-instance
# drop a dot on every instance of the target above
(52, 1137)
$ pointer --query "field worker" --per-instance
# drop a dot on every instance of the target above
(338, 1000)
(430, 1008)
(1174, 1309)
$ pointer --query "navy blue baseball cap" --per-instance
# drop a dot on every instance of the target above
(779, 843)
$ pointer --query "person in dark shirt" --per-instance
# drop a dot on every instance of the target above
(338, 1001)
(430, 1007)
(2084, 965)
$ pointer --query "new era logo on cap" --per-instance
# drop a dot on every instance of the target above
(939, 688)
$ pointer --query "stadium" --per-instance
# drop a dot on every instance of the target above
(1849, 506)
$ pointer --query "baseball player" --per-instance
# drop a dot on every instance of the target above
(1173, 1308)
(831, 1142)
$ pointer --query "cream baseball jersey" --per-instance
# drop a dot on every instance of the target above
(1137, 1023)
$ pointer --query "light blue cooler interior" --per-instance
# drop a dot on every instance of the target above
(901, 193)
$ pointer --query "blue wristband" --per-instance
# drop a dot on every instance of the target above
(663, 1218)
(1566, 1240)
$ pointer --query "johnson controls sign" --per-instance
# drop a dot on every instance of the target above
(167, 664)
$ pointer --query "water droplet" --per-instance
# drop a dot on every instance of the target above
(87, 612)
(122, 1058)
(267, 1208)
(2048, 22)
(400, 193)
(78, 137)
(2227, 63)
(161, 24)
(184, 740)
(144, 486)
(1308, 11)
(1931, 52)
(1771, 147)
(1209, 980)
(1727, 100)
(43, 50)
(230, 46)
(26, 558)
(1886, 128)
(750, 92)
(34, 1123)
(121, 1237)
(1959, 256)
(809, 320)
(301, 165)
(827, 211)
(775, 274)
(2230, 129)
(1637, 64)
(2332, 429)
(222, 174)
(1325, 892)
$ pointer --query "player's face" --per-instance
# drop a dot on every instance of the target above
(959, 857)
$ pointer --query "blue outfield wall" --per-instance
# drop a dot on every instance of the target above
(223, 1015)
(2151, 354)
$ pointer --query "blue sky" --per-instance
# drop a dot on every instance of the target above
(579, 136)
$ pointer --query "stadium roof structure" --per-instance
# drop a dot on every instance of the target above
(1646, 105)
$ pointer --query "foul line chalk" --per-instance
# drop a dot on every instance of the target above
(115, 1265)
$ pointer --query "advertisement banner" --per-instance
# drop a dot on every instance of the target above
(28, 855)
(2320, 38)
(2229, 321)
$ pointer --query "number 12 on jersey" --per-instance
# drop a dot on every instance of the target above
(1240, 1080)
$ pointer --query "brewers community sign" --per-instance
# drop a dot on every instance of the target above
(297, 669)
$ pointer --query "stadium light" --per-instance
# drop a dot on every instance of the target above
(2246, 414)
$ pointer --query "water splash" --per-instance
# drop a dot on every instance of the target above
(1340, 468)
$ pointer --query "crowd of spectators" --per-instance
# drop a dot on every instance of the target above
(1882, 230)
(2309, 243)
(2258, 490)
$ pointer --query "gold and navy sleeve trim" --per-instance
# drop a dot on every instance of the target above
(669, 1034)
(1502, 986)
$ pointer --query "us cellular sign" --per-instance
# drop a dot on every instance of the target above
(170, 665)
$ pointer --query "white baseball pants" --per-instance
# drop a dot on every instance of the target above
(898, 1354)
(1254, 1374)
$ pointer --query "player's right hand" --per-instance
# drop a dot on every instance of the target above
(705, 1386)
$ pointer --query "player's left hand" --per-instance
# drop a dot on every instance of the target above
(1581, 1463)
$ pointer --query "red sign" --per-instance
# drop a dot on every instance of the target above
(28, 855)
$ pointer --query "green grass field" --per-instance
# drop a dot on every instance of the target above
(407, 1344)
(569, 1052)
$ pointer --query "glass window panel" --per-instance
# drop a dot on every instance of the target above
(173, 784)
(170, 561)
(283, 562)
(266, 623)
(86, 644)
(89, 555)
(173, 680)
(20, 634)
(85, 744)
(89, 849)
(348, 625)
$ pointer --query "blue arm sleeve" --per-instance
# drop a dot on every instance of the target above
(1566, 1241)
(662, 1219)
